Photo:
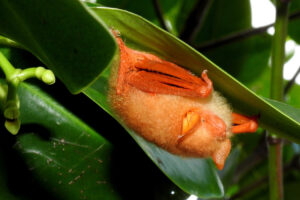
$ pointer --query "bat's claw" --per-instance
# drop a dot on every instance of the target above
(243, 124)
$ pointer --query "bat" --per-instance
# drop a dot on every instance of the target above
(172, 108)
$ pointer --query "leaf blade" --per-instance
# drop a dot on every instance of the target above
(146, 36)
(54, 33)
(68, 158)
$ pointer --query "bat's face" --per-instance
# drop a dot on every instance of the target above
(169, 106)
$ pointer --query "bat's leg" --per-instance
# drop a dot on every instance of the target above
(243, 124)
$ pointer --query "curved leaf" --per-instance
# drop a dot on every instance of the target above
(68, 158)
(141, 34)
(63, 35)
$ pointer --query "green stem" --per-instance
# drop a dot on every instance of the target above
(27, 73)
(275, 168)
(277, 88)
(278, 51)
(13, 78)
(7, 68)
(41, 73)
(9, 43)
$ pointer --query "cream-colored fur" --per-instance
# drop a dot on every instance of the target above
(158, 118)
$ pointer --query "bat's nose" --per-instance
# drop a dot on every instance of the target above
(214, 124)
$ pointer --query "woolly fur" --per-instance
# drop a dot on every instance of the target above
(158, 118)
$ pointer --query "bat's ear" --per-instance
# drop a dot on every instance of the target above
(220, 155)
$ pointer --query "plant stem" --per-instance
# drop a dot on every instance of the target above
(27, 73)
(277, 87)
(227, 39)
(293, 165)
(7, 68)
(195, 20)
(159, 14)
(9, 43)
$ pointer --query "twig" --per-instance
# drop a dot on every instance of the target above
(9, 43)
(195, 20)
(291, 82)
(249, 188)
(159, 14)
(259, 155)
(294, 164)
(239, 35)
(277, 88)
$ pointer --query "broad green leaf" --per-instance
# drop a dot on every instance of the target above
(63, 34)
(143, 35)
(290, 111)
(67, 157)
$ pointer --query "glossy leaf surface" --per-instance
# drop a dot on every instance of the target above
(63, 35)
(143, 35)
(70, 159)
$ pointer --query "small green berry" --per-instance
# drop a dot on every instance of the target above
(48, 77)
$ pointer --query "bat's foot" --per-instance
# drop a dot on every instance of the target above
(243, 124)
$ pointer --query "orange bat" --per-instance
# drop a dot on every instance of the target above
(173, 108)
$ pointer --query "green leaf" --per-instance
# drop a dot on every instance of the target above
(63, 34)
(143, 35)
(66, 156)
(290, 111)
